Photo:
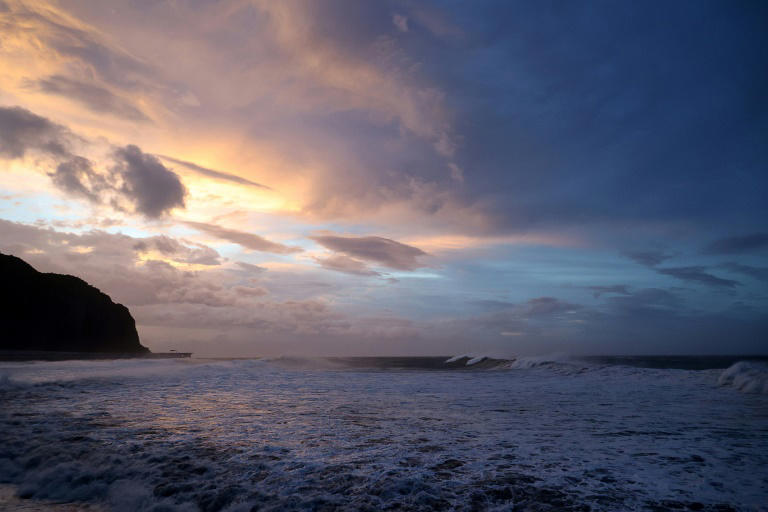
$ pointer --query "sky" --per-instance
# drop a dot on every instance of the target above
(326, 177)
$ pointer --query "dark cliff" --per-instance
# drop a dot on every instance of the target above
(58, 312)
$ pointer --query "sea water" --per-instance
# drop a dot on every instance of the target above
(385, 434)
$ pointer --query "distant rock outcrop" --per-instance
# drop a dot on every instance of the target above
(56, 312)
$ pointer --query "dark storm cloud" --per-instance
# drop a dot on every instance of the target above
(738, 244)
(698, 275)
(247, 240)
(211, 173)
(610, 112)
(346, 265)
(647, 258)
(153, 188)
(383, 251)
(92, 96)
(21, 131)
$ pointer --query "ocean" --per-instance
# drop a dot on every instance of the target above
(534, 434)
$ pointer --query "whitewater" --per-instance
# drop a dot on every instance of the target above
(382, 434)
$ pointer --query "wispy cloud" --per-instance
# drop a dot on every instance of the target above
(694, 274)
(698, 275)
(647, 258)
(248, 240)
(98, 99)
(383, 251)
(616, 289)
(759, 273)
(346, 265)
(211, 173)
(738, 244)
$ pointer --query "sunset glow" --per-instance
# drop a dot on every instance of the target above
(269, 177)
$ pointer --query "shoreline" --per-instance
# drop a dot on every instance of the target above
(47, 355)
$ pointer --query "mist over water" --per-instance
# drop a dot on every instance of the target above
(386, 433)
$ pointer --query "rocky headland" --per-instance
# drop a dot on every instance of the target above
(60, 313)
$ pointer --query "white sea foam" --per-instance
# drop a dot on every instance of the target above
(746, 376)
(14, 374)
(6, 383)
(237, 435)
(537, 361)
(476, 360)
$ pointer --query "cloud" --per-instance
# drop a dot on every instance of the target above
(647, 258)
(250, 267)
(115, 263)
(620, 289)
(548, 306)
(92, 96)
(78, 177)
(646, 301)
(532, 321)
(380, 115)
(251, 305)
(21, 131)
(153, 188)
(759, 273)
(332, 53)
(58, 36)
(345, 264)
(251, 291)
(247, 240)
(401, 22)
(738, 244)
(383, 251)
(197, 254)
(419, 135)
(155, 290)
(697, 274)
(211, 173)
(137, 177)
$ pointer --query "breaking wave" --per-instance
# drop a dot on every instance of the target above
(522, 363)
(746, 376)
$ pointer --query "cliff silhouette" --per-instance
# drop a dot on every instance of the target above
(62, 313)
